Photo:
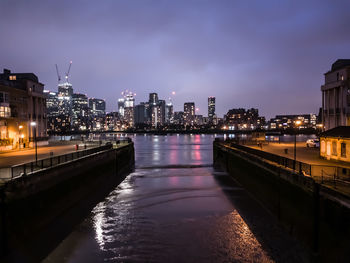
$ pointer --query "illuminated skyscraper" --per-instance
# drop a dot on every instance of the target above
(189, 113)
(211, 109)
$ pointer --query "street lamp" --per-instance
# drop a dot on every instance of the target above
(20, 127)
(33, 124)
(297, 123)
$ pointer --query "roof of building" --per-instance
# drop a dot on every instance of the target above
(340, 63)
(340, 131)
(19, 76)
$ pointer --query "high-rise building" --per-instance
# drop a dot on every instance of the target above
(153, 99)
(121, 103)
(97, 107)
(189, 113)
(336, 95)
(129, 109)
(80, 112)
(211, 108)
(169, 112)
(140, 114)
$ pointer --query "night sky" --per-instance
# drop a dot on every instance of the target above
(270, 55)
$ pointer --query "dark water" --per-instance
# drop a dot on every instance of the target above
(176, 208)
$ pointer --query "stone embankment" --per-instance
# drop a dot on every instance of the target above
(40, 208)
(315, 214)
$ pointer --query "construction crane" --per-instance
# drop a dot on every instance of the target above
(67, 74)
(58, 74)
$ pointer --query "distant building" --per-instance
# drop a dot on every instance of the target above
(80, 112)
(290, 121)
(179, 117)
(140, 114)
(336, 95)
(97, 107)
(169, 112)
(129, 109)
(121, 103)
(211, 108)
(153, 99)
(158, 114)
(198, 119)
(112, 121)
(22, 102)
(242, 119)
(189, 112)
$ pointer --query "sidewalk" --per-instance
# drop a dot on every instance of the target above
(14, 157)
(303, 154)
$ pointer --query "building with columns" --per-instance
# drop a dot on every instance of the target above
(22, 102)
(336, 95)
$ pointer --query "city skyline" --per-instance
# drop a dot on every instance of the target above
(279, 51)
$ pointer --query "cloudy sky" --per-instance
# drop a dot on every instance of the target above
(270, 55)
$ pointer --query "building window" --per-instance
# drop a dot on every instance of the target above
(12, 77)
(5, 112)
(343, 149)
(323, 146)
(334, 148)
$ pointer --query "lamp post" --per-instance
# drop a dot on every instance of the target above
(297, 123)
(20, 127)
(33, 124)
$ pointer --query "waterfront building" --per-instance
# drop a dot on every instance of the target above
(336, 95)
(80, 112)
(290, 121)
(242, 119)
(22, 102)
(189, 112)
(211, 108)
(335, 144)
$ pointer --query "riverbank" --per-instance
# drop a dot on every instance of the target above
(313, 213)
(39, 209)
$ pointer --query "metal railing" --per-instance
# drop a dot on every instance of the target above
(336, 176)
(298, 166)
(25, 168)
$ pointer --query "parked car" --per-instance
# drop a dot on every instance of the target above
(313, 143)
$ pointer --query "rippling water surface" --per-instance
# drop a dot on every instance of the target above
(175, 208)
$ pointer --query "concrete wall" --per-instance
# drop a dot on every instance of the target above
(315, 215)
(40, 209)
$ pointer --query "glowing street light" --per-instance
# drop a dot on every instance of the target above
(297, 124)
(33, 124)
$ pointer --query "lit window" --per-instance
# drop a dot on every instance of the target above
(12, 77)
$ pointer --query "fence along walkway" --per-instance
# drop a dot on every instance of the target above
(338, 176)
(26, 168)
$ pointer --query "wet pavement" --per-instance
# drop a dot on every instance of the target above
(176, 208)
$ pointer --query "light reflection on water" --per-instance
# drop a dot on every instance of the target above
(167, 215)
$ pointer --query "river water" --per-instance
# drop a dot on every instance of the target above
(176, 208)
